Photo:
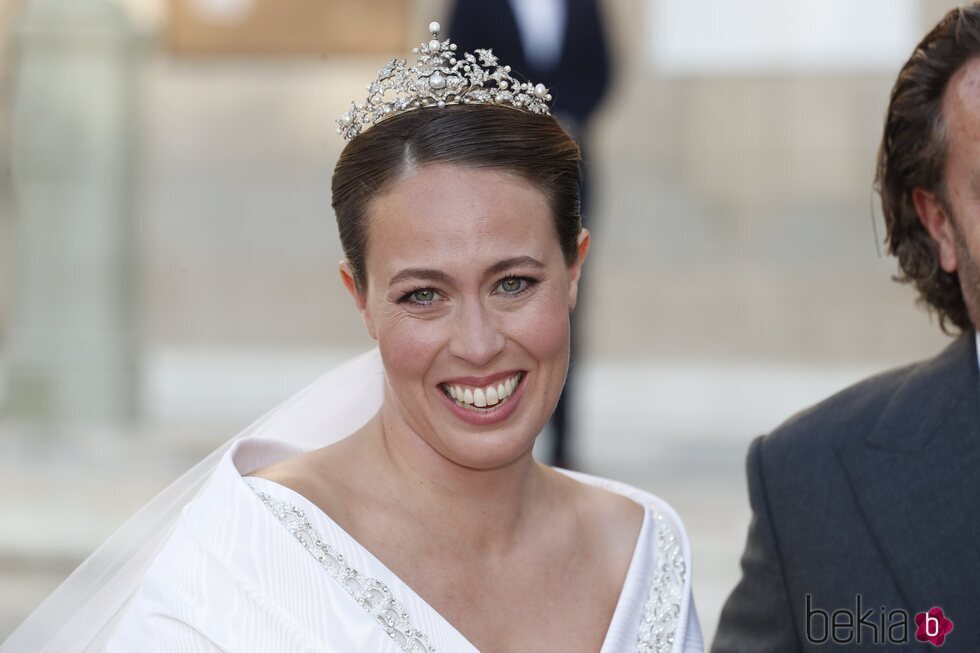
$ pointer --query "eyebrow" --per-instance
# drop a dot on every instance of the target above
(437, 276)
(515, 262)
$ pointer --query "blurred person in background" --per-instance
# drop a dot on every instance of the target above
(866, 507)
(562, 44)
(395, 504)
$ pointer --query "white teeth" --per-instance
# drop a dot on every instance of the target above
(491, 395)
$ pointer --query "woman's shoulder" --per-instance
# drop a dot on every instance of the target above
(619, 493)
(294, 472)
(656, 597)
(641, 520)
(613, 519)
(327, 477)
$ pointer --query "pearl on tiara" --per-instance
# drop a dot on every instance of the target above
(438, 78)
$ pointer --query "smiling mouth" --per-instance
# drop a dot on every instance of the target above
(482, 398)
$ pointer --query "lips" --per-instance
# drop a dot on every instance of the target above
(508, 388)
(484, 395)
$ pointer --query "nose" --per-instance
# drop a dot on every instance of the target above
(476, 338)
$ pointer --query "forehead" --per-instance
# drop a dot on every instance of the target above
(439, 215)
(961, 115)
(961, 104)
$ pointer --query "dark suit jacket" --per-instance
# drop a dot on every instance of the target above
(875, 491)
(580, 79)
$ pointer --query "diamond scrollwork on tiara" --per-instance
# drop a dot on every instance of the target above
(441, 77)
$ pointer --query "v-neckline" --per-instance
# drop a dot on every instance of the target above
(407, 594)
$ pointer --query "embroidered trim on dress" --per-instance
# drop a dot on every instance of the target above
(370, 593)
(663, 607)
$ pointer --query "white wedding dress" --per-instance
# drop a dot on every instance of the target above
(254, 566)
(250, 565)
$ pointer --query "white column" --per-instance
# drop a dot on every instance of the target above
(72, 342)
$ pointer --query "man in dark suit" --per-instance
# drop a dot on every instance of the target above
(561, 44)
(867, 506)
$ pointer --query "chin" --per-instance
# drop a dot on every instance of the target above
(489, 440)
(483, 438)
(488, 450)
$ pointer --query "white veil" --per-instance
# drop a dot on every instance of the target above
(81, 614)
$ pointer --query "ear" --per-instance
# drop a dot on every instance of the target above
(940, 226)
(575, 269)
(360, 299)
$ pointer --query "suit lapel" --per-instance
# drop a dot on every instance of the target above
(916, 479)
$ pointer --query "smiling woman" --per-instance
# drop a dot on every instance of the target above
(396, 505)
(446, 244)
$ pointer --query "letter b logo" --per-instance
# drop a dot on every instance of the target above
(933, 626)
(817, 620)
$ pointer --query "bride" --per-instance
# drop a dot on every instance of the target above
(395, 505)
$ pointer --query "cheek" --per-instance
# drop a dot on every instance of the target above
(542, 328)
(407, 343)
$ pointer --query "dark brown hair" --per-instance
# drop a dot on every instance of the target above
(531, 146)
(913, 155)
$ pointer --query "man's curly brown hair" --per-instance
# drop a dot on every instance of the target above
(913, 155)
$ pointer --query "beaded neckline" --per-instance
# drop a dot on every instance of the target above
(663, 607)
(370, 593)
(657, 628)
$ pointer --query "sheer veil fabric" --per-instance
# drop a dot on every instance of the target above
(81, 614)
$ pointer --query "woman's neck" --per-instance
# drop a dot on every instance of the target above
(479, 508)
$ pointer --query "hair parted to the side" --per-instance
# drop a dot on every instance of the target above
(913, 155)
(531, 146)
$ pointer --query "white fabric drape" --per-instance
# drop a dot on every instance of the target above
(80, 615)
(236, 577)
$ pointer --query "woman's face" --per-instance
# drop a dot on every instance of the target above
(468, 295)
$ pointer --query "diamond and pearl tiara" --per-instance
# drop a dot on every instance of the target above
(438, 78)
